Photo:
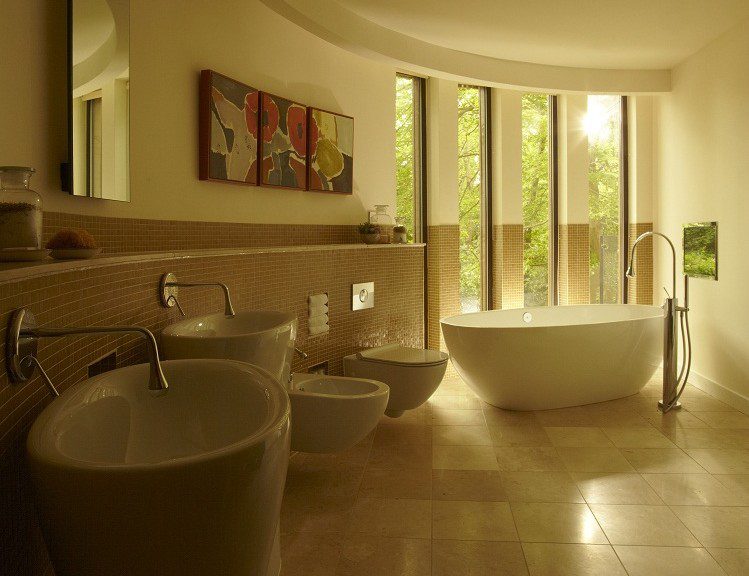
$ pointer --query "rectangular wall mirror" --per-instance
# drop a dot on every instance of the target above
(98, 102)
(701, 250)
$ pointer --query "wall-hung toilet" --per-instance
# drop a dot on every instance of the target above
(412, 374)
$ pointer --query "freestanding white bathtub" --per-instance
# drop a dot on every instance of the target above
(554, 357)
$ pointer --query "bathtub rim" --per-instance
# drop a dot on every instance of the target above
(657, 313)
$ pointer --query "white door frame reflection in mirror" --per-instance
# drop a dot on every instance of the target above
(98, 99)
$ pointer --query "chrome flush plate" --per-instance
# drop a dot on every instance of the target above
(362, 296)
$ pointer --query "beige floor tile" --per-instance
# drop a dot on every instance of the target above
(456, 557)
(481, 485)
(453, 417)
(498, 417)
(668, 561)
(401, 456)
(556, 522)
(546, 559)
(578, 437)
(735, 420)
(661, 460)
(456, 402)
(734, 561)
(615, 488)
(536, 459)
(575, 416)
(390, 517)
(674, 420)
(540, 487)
(704, 403)
(320, 515)
(461, 520)
(518, 436)
(411, 483)
(738, 483)
(637, 438)
(718, 461)
(461, 436)
(641, 525)
(365, 554)
(722, 527)
(736, 438)
(464, 458)
(306, 554)
(594, 460)
(402, 435)
(693, 489)
(702, 438)
(631, 419)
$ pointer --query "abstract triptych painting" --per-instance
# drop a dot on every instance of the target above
(228, 129)
(257, 138)
(331, 152)
(283, 152)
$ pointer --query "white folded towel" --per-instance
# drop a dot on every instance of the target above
(320, 320)
(318, 299)
(315, 330)
(318, 310)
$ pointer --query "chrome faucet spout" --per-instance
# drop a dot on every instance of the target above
(169, 299)
(23, 332)
(631, 268)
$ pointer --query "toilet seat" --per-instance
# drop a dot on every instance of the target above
(397, 355)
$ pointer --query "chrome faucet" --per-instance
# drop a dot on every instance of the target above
(22, 344)
(673, 384)
(168, 292)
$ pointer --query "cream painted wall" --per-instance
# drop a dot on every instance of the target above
(171, 41)
(640, 116)
(507, 194)
(702, 161)
(442, 156)
(573, 159)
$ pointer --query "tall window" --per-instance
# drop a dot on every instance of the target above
(536, 183)
(473, 194)
(409, 157)
(603, 124)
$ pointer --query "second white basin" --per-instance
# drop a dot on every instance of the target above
(185, 481)
(263, 338)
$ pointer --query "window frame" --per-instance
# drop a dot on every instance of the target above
(420, 155)
(486, 220)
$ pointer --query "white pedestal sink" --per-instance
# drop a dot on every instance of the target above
(263, 338)
(180, 482)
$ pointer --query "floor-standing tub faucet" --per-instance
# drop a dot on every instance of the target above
(673, 315)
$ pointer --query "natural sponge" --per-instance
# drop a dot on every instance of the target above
(68, 238)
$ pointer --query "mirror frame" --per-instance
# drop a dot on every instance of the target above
(66, 168)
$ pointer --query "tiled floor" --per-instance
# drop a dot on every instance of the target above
(459, 487)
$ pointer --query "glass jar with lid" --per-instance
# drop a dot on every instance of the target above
(385, 221)
(20, 210)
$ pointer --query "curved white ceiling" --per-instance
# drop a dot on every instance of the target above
(93, 23)
(573, 45)
(631, 34)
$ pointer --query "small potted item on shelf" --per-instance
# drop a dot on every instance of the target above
(370, 233)
(400, 234)
(73, 244)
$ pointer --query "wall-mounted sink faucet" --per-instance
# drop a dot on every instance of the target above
(168, 290)
(22, 344)
(673, 384)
